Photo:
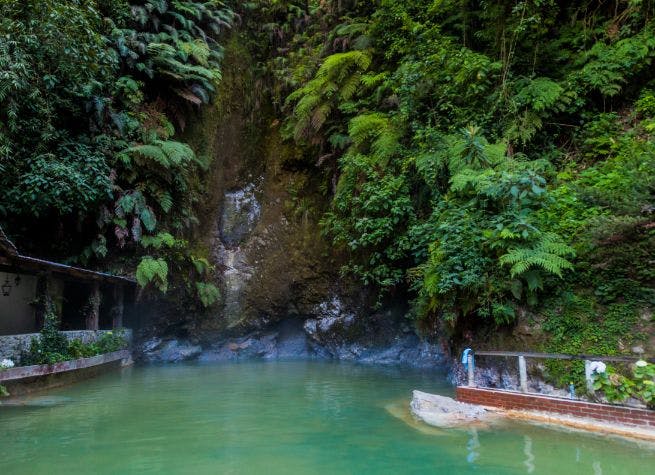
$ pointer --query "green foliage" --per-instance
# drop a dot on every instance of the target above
(577, 323)
(598, 136)
(481, 156)
(108, 342)
(607, 67)
(208, 293)
(4, 365)
(154, 272)
(91, 95)
(166, 154)
(640, 385)
(52, 62)
(480, 148)
(175, 42)
(161, 240)
(547, 253)
(75, 177)
(52, 346)
(335, 84)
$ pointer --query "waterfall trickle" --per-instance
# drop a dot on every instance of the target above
(239, 217)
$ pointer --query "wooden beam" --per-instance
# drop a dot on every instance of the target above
(93, 315)
(43, 300)
(9, 255)
(119, 307)
(75, 273)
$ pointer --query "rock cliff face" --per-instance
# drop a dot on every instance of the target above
(372, 341)
(282, 295)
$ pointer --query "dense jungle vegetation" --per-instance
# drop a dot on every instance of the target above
(491, 157)
(91, 96)
(486, 158)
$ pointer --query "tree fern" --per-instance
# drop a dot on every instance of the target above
(335, 81)
(175, 40)
(160, 241)
(375, 132)
(151, 271)
(208, 293)
(167, 153)
(548, 253)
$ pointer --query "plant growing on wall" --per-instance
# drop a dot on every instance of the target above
(5, 364)
(639, 385)
(52, 346)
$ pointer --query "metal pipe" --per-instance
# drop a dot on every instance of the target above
(471, 369)
(523, 374)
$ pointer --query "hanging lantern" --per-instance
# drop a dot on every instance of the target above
(6, 287)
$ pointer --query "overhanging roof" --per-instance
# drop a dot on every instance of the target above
(6, 245)
(10, 257)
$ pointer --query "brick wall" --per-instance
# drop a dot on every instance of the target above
(535, 402)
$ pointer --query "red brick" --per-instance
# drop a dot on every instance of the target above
(516, 400)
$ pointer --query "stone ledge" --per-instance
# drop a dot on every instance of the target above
(28, 379)
(444, 412)
(22, 372)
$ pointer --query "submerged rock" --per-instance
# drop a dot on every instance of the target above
(445, 412)
(283, 341)
(378, 339)
(169, 351)
(332, 332)
(321, 339)
(399, 410)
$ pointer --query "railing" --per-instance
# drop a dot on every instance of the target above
(523, 368)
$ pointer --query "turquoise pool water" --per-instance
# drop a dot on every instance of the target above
(280, 418)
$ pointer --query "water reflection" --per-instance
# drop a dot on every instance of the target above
(527, 450)
(472, 446)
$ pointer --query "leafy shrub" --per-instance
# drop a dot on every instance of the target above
(110, 341)
(5, 364)
(50, 347)
(54, 347)
(77, 349)
(618, 388)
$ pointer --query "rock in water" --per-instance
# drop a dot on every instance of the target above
(441, 411)
(169, 351)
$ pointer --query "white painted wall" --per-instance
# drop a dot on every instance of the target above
(16, 313)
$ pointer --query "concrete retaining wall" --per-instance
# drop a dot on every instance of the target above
(27, 379)
(535, 402)
(11, 346)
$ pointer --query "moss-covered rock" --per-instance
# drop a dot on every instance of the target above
(258, 216)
